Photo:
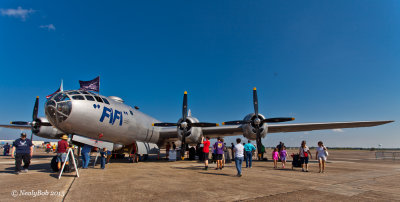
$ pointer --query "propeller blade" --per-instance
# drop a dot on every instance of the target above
(35, 109)
(202, 124)
(19, 123)
(255, 101)
(165, 124)
(276, 120)
(184, 107)
(234, 122)
(258, 141)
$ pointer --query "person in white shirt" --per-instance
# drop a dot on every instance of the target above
(321, 155)
(304, 151)
(239, 156)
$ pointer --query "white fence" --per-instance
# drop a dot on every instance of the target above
(387, 155)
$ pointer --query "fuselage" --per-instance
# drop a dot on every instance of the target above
(99, 117)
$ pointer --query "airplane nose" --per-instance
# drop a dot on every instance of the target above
(58, 108)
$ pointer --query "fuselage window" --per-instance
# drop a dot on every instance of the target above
(106, 101)
(88, 97)
(131, 112)
(73, 93)
(98, 99)
(78, 97)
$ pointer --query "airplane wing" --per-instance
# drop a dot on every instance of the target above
(223, 131)
(16, 127)
(212, 132)
(322, 126)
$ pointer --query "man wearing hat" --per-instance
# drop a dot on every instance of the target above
(23, 149)
(62, 150)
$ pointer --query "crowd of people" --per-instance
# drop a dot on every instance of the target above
(245, 152)
(22, 151)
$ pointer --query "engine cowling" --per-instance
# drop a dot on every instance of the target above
(249, 129)
(48, 132)
(195, 133)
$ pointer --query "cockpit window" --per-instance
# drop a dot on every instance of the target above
(98, 99)
(73, 93)
(51, 103)
(131, 112)
(66, 98)
(78, 97)
(106, 101)
(88, 97)
(84, 92)
(64, 108)
(61, 97)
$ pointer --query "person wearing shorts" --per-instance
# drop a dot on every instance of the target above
(283, 155)
(62, 151)
(219, 149)
(206, 150)
(304, 152)
(321, 156)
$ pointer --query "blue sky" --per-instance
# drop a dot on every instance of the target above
(318, 61)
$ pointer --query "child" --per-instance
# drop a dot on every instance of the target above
(103, 155)
(275, 157)
(283, 156)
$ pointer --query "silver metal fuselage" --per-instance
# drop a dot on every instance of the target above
(109, 120)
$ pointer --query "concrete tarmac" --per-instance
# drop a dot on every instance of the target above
(350, 175)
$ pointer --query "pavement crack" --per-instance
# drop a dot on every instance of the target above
(66, 193)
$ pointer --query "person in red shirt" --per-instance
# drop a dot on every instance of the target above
(167, 148)
(62, 150)
(48, 147)
(206, 150)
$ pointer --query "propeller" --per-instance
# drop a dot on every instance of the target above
(36, 123)
(257, 122)
(185, 125)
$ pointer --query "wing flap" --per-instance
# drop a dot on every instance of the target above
(16, 127)
(222, 131)
(212, 132)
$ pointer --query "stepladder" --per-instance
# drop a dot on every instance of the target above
(70, 154)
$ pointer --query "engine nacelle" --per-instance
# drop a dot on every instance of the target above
(48, 132)
(249, 129)
(195, 133)
(117, 147)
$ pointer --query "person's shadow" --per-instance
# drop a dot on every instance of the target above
(42, 167)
